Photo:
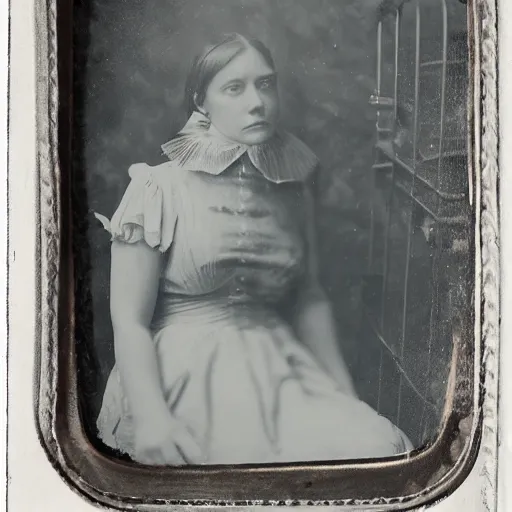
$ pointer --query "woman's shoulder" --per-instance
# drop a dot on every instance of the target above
(163, 174)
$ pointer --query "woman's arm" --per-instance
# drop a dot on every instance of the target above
(158, 437)
(133, 290)
(314, 321)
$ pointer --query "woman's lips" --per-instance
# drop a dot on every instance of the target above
(257, 125)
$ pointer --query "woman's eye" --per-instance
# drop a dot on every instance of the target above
(268, 83)
(233, 89)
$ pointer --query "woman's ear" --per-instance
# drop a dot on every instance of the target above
(199, 107)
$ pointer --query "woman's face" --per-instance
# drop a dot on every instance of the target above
(242, 100)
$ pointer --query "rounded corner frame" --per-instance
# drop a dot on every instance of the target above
(62, 435)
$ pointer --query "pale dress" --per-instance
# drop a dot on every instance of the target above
(231, 368)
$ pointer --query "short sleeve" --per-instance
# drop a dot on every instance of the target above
(147, 210)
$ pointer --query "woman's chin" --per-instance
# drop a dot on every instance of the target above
(256, 136)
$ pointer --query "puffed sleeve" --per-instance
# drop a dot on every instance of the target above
(147, 210)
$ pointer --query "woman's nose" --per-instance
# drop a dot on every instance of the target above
(254, 99)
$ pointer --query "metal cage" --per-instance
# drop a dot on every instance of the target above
(417, 285)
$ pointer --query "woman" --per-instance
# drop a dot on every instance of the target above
(207, 247)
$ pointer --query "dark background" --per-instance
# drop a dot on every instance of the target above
(131, 60)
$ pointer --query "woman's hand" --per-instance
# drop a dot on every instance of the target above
(315, 327)
(164, 440)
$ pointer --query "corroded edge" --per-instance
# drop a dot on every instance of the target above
(490, 252)
(48, 208)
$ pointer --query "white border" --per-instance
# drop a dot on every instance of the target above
(4, 28)
(33, 484)
(505, 405)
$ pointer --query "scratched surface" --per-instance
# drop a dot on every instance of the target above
(131, 64)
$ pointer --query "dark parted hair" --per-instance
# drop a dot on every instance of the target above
(212, 59)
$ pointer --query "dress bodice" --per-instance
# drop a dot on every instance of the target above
(237, 235)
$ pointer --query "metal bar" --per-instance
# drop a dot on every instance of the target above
(381, 102)
(392, 186)
(387, 150)
(388, 7)
(379, 58)
(385, 271)
(372, 233)
(450, 221)
(381, 368)
(443, 90)
(410, 226)
(398, 361)
(439, 63)
(383, 165)
(372, 205)
(434, 307)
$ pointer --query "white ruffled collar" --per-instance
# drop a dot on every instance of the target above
(200, 147)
